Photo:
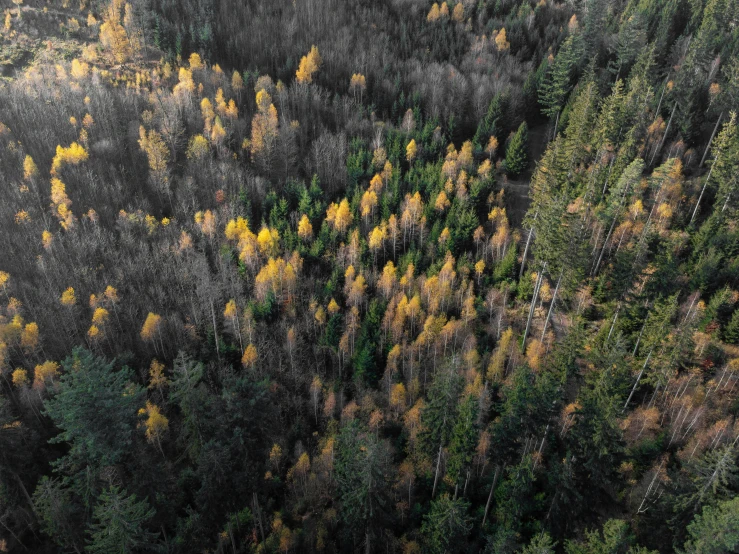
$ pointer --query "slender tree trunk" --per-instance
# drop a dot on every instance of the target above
(551, 307)
(708, 146)
(532, 308)
(490, 496)
(436, 476)
(664, 137)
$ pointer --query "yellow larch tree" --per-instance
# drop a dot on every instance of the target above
(30, 337)
(442, 202)
(113, 37)
(501, 41)
(30, 171)
(309, 64)
(249, 357)
(44, 374)
(433, 14)
(368, 204)
(156, 424)
(68, 297)
(305, 229)
(411, 150)
(458, 12)
(157, 378)
(339, 216)
(268, 241)
(157, 153)
(152, 329)
(357, 85)
(264, 130)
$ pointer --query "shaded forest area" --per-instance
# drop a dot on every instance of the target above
(268, 282)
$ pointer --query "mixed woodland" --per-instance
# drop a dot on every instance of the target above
(369, 276)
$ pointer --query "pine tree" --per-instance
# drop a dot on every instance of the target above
(119, 524)
(558, 79)
(95, 408)
(446, 525)
(516, 157)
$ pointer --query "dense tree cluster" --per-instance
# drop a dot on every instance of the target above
(407, 277)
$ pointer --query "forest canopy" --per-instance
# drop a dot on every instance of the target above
(350, 276)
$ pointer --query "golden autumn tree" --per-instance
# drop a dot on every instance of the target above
(156, 424)
(152, 329)
(249, 358)
(434, 13)
(157, 153)
(339, 216)
(357, 85)
(305, 229)
(501, 41)
(113, 37)
(309, 65)
(264, 131)
(411, 150)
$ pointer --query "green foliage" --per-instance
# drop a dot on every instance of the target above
(95, 408)
(446, 525)
(119, 524)
(363, 474)
(516, 157)
(715, 530)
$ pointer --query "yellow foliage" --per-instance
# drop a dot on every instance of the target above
(411, 150)
(309, 64)
(250, 356)
(151, 326)
(111, 294)
(339, 216)
(157, 378)
(93, 332)
(43, 373)
(207, 223)
(305, 229)
(534, 353)
(333, 307)
(398, 396)
(501, 42)
(479, 267)
(113, 37)
(30, 171)
(74, 154)
(156, 152)
(368, 203)
(20, 378)
(30, 337)
(156, 423)
(100, 316)
(442, 202)
(237, 82)
(230, 309)
(68, 297)
(268, 241)
(197, 148)
(433, 14)
(79, 70)
(264, 126)
(236, 228)
(358, 83)
(195, 62)
(458, 12)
